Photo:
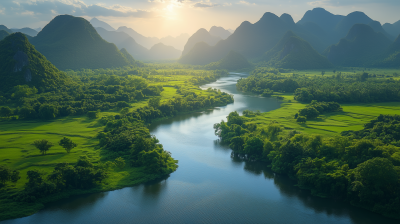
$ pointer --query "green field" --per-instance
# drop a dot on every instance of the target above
(353, 117)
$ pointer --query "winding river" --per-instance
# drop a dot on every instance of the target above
(209, 186)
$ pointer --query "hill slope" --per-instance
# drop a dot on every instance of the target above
(72, 43)
(361, 47)
(232, 61)
(392, 29)
(202, 35)
(98, 23)
(3, 34)
(22, 64)
(161, 51)
(391, 56)
(219, 32)
(295, 53)
(27, 31)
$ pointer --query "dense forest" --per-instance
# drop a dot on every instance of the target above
(350, 88)
(358, 168)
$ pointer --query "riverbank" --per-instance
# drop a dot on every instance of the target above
(21, 155)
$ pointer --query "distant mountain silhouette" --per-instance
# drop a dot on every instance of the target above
(26, 30)
(161, 51)
(219, 32)
(198, 55)
(202, 35)
(72, 43)
(361, 47)
(343, 27)
(98, 23)
(322, 18)
(3, 34)
(146, 42)
(318, 27)
(295, 53)
(392, 29)
(122, 40)
(22, 64)
(176, 42)
(233, 61)
(2, 27)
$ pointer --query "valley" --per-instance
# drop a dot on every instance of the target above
(105, 124)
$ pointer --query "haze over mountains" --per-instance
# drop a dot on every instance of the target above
(147, 42)
(318, 27)
(319, 40)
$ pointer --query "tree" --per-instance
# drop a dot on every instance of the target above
(154, 102)
(5, 112)
(322, 72)
(92, 114)
(254, 146)
(6, 174)
(120, 162)
(301, 119)
(43, 145)
(67, 144)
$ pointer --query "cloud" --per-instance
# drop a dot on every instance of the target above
(73, 7)
(246, 3)
(205, 5)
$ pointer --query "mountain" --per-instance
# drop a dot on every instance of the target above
(322, 18)
(97, 23)
(250, 40)
(202, 35)
(233, 61)
(391, 56)
(128, 56)
(27, 31)
(176, 42)
(198, 55)
(2, 27)
(3, 34)
(22, 64)
(343, 27)
(72, 43)
(361, 47)
(295, 53)
(146, 42)
(392, 29)
(219, 32)
(161, 51)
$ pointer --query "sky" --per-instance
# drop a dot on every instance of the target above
(161, 18)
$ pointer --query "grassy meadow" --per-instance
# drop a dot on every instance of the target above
(353, 116)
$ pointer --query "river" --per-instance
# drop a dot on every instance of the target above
(209, 186)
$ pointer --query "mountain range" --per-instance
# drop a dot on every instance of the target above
(122, 40)
(147, 42)
(295, 53)
(320, 28)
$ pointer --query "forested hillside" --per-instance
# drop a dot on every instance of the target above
(72, 43)
(22, 64)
